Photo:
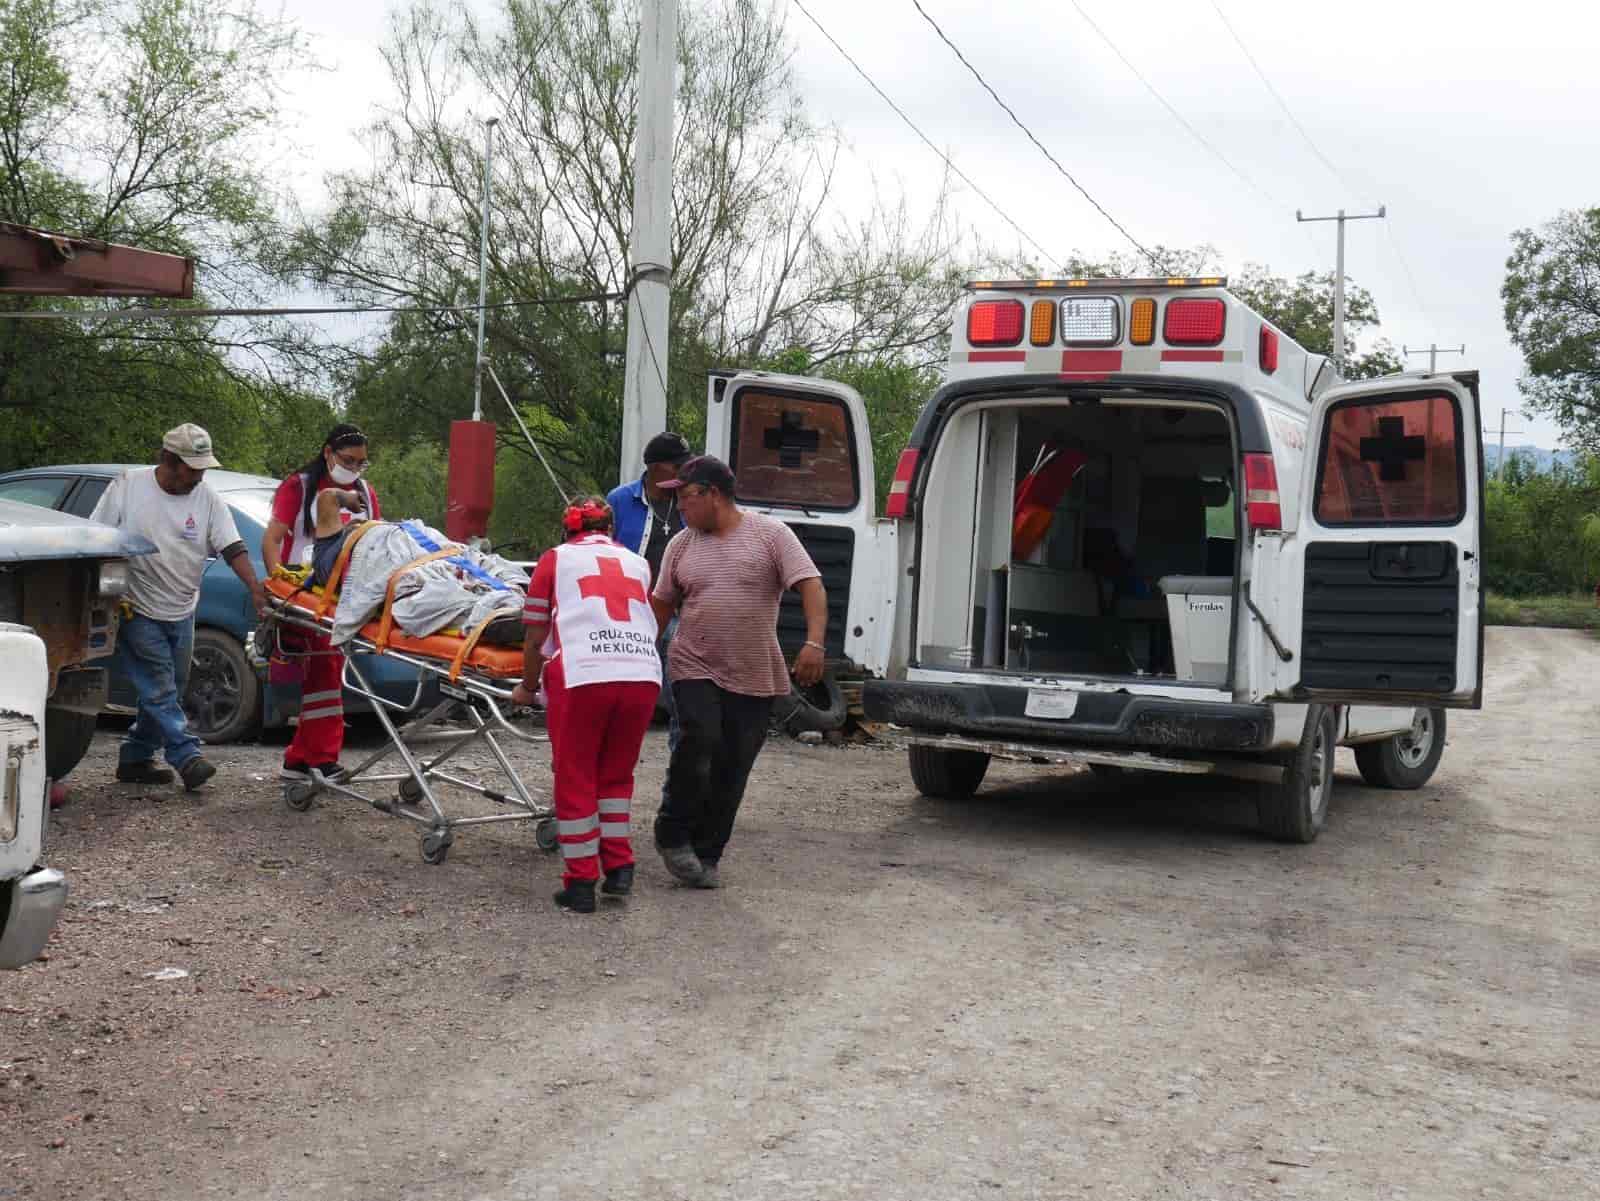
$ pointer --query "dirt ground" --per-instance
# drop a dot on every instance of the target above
(1064, 988)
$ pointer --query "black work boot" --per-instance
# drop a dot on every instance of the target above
(196, 772)
(577, 896)
(143, 773)
(618, 883)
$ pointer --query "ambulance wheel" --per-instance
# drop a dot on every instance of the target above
(1405, 760)
(436, 846)
(947, 775)
(299, 796)
(1295, 808)
(544, 835)
(410, 792)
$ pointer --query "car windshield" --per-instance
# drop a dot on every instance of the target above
(255, 503)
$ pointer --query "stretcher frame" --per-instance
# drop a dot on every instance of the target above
(415, 796)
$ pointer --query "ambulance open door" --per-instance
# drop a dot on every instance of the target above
(1388, 550)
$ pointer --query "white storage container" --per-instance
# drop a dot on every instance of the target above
(1200, 608)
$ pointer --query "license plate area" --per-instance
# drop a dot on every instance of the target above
(1050, 704)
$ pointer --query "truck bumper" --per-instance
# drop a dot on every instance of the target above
(29, 907)
(1116, 719)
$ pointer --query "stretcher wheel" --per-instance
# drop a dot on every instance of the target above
(299, 796)
(410, 792)
(544, 834)
(435, 846)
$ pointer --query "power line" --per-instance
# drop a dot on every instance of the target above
(1156, 263)
(1048, 258)
(149, 314)
(1179, 117)
(1262, 75)
(1411, 280)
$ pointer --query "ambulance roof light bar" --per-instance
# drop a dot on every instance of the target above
(1102, 284)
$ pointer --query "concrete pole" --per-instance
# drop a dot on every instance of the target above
(1338, 277)
(483, 267)
(644, 385)
(1433, 351)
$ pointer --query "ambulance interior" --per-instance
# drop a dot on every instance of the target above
(1096, 523)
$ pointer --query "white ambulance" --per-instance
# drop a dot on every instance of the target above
(1138, 527)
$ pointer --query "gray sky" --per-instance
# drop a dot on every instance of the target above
(1467, 122)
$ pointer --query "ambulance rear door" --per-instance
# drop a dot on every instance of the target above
(801, 451)
(1387, 553)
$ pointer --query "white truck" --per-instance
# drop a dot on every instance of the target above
(31, 897)
(1138, 527)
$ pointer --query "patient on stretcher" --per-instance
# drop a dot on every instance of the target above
(438, 585)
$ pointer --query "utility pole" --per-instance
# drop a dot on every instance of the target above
(1500, 462)
(1338, 278)
(1433, 351)
(644, 384)
(483, 266)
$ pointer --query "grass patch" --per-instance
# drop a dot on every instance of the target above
(1575, 611)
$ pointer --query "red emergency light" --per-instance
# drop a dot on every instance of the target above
(994, 323)
(1269, 349)
(1194, 321)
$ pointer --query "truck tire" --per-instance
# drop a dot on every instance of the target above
(67, 735)
(223, 700)
(1405, 760)
(821, 707)
(947, 775)
(1295, 808)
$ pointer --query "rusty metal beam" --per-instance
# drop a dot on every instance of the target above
(36, 262)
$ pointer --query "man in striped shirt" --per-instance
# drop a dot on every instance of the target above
(723, 576)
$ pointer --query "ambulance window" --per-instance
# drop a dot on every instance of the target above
(793, 450)
(1394, 462)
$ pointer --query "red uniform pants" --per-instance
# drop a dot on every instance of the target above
(320, 735)
(595, 734)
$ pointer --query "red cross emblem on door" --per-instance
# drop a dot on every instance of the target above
(614, 586)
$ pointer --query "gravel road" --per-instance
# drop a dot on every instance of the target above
(1066, 987)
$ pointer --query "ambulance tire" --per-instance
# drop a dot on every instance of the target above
(947, 775)
(1407, 760)
(820, 707)
(1295, 808)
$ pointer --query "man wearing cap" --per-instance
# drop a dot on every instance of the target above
(723, 577)
(173, 506)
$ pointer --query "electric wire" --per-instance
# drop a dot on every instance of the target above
(961, 175)
(174, 314)
(1054, 162)
(1177, 116)
(565, 498)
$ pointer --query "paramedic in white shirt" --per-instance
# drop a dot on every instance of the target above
(591, 629)
(173, 506)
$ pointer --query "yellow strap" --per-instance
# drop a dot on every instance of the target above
(330, 590)
(386, 626)
(470, 641)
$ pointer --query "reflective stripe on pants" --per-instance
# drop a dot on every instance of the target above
(319, 737)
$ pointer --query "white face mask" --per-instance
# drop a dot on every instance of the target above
(342, 475)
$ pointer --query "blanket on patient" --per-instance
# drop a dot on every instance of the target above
(460, 591)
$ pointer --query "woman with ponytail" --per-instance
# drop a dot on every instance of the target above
(290, 541)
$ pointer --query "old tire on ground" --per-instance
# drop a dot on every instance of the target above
(67, 735)
(820, 707)
(223, 700)
(947, 775)
(1295, 809)
(1405, 760)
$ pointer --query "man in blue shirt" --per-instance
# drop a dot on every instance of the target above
(647, 514)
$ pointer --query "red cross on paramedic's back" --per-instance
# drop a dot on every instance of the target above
(614, 586)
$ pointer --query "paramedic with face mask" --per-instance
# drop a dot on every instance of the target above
(289, 542)
(591, 628)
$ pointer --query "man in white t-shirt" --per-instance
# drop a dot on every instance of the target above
(173, 506)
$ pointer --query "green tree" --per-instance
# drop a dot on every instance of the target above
(1552, 312)
(760, 260)
(147, 122)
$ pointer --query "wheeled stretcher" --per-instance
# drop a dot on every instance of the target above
(476, 681)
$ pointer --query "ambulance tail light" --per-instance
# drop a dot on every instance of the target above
(1261, 504)
(1142, 321)
(1194, 322)
(1269, 349)
(994, 323)
(898, 506)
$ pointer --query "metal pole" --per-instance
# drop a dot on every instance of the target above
(483, 267)
(1338, 280)
(644, 384)
(1500, 463)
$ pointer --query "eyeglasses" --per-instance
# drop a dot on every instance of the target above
(351, 463)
